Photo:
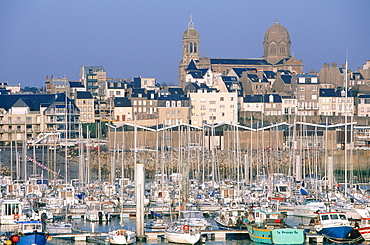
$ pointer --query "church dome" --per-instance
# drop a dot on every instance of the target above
(277, 33)
(191, 32)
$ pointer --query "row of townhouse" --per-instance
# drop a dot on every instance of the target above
(211, 97)
(207, 97)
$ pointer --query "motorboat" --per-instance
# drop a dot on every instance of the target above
(29, 232)
(121, 236)
(335, 226)
(184, 234)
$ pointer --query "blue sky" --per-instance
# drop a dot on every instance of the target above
(143, 37)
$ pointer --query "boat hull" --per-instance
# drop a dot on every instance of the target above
(124, 237)
(33, 238)
(276, 236)
(339, 232)
(183, 238)
(365, 233)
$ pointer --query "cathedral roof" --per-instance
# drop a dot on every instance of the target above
(215, 61)
(277, 33)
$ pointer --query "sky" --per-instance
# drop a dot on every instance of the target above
(41, 38)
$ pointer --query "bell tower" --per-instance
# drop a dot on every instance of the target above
(190, 49)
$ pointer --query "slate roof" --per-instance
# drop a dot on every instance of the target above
(84, 95)
(33, 101)
(191, 66)
(122, 102)
(258, 62)
(259, 98)
(254, 78)
(239, 71)
(270, 74)
(281, 62)
(331, 92)
(176, 90)
(287, 79)
(76, 85)
(174, 97)
(229, 78)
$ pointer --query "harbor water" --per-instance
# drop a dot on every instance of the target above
(129, 223)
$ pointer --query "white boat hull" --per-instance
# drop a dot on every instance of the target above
(128, 237)
(184, 238)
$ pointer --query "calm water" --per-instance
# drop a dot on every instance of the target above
(129, 223)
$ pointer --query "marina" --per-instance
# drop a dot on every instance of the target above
(198, 193)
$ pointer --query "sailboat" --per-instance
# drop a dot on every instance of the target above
(181, 231)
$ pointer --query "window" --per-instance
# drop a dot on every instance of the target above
(179, 113)
(302, 89)
(144, 102)
(222, 99)
(212, 118)
(173, 103)
(178, 103)
(222, 106)
(314, 97)
(212, 102)
(167, 104)
(203, 107)
(314, 88)
(232, 98)
(167, 113)
(301, 97)
(212, 109)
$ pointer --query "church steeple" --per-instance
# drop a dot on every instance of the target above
(190, 43)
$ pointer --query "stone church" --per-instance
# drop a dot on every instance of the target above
(276, 54)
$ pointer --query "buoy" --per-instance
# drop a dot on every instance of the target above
(49, 238)
(15, 238)
(185, 227)
(16, 216)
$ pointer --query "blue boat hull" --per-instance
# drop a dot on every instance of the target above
(276, 236)
(33, 238)
(339, 232)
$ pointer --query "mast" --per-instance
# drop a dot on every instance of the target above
(345, 132)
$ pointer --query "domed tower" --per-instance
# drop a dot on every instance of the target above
(276, 44)
(190, 43)
(190, 49)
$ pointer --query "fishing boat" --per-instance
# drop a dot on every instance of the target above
(266, 226)
(29, 232)
(121, 236)
(231, 218)
(336, 227)
(183, 234)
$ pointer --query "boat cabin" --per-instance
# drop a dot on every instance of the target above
(30, 226)
(11, 211)
(331, 218)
